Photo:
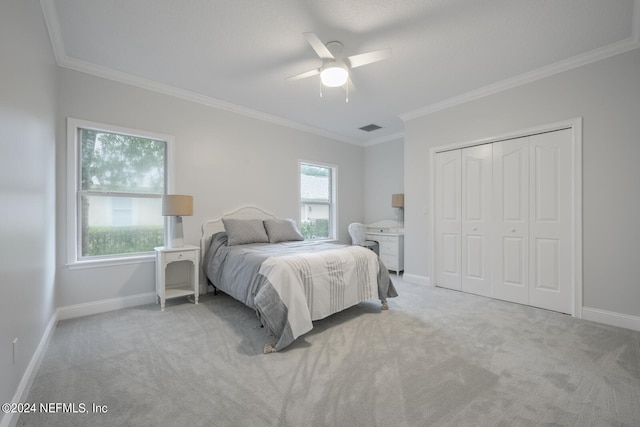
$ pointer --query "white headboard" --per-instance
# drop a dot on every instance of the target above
(209, 227)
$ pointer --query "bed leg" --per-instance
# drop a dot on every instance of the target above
(210, 283)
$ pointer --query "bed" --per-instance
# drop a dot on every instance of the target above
(264, 262)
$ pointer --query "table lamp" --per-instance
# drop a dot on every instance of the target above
(176, 206)
(397, 201)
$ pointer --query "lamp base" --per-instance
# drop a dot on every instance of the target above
(175, 237)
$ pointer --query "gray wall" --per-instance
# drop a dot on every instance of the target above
(607, 95)
(383, 176)
(27, 172)
(225, 160)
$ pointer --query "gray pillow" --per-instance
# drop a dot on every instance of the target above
(282, 230)
(243, 231)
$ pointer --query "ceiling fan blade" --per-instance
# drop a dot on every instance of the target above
(369, 57)
(318, 46)
(305, 74)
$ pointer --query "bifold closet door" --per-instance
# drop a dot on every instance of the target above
(511, 210)
(532, 244)
(463, 219)
(503, 220)
(448, 219)
(476, 235)
(551, 221)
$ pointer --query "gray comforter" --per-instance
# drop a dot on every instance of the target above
(235, 270)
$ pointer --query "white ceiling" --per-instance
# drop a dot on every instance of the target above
(237, 54)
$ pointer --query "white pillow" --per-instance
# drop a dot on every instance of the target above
(282, 230)
(243, 231)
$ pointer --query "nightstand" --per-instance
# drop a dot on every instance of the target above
(166, 256)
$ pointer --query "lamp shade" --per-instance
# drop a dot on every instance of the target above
(177, 205)
(397, 200)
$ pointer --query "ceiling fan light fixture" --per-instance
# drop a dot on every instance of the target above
(334, 75)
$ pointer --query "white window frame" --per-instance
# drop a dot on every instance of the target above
(333, 203)
(73, 182)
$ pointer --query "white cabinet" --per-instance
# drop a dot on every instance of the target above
(391, 249)
(166, 256)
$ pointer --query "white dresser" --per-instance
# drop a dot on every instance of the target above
(391, 242)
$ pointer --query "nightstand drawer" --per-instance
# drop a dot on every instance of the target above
(179, 256)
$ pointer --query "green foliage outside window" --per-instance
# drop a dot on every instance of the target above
(114, 162)
(108, 240)
(317, 229)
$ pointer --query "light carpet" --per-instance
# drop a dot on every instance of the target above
(436, 358)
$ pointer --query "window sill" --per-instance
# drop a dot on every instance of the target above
(109, 262)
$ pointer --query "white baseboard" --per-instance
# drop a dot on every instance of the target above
(95, 307)
(611, 318)
(10, 420)
(416, 279)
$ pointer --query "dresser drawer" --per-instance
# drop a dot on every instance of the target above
(179, 256)
(389, 261)
(388, 248)
(391, 249)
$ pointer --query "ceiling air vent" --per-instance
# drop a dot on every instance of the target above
(370, 128)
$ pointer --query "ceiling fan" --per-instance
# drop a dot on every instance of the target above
(335, 70)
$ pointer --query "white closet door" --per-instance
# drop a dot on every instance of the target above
(448, 219)
(550, 221)
(511, 212)
(476, 219)
(504, 220)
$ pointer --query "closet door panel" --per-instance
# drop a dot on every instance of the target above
(448, 220)
(476, 219)
(511, 227)
(512, 265)
(550, 225)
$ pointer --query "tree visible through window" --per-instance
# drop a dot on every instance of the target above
(317, 201)
(122, 179)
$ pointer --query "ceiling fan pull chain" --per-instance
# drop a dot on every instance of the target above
(347, 90)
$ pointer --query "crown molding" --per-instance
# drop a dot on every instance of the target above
(53, 27)
(118, 76)
(55, 35)
(531, 76)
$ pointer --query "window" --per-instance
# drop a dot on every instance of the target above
(317, 201)
(115, 190)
